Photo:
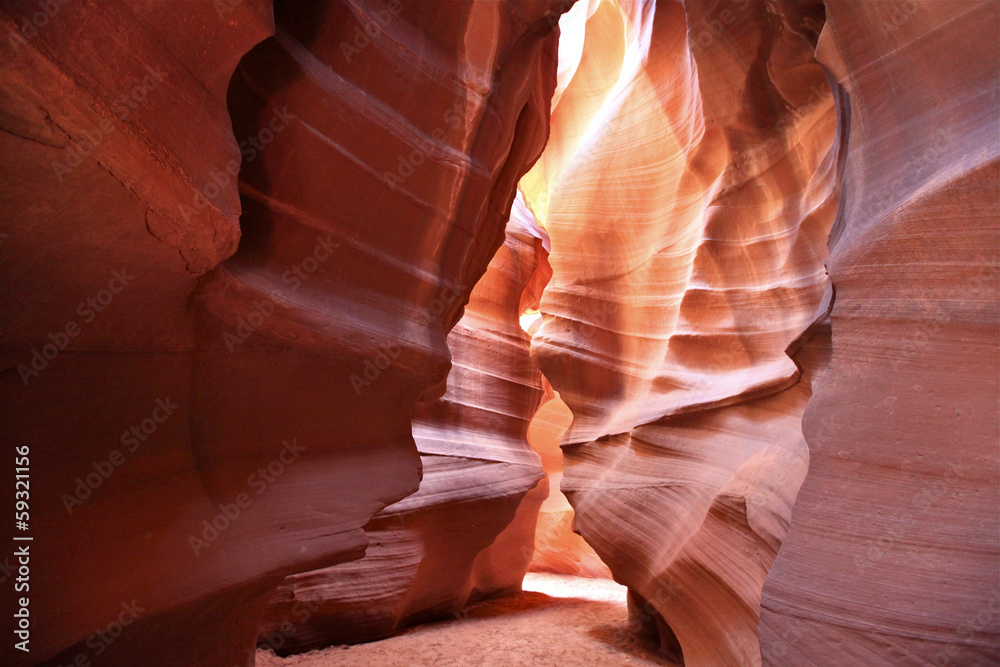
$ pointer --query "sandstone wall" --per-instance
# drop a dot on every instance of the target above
(381, 143)
(689, 188)
(893, 554)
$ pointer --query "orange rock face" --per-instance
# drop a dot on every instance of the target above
(688, 209)
(697, 159)
(558, 549)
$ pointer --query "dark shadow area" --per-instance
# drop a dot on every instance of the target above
(622, 640)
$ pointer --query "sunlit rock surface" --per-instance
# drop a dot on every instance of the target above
(378, 173)
(558, 549)
(893, 554)
(688, 191)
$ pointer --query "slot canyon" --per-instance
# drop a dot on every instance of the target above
(500, 332)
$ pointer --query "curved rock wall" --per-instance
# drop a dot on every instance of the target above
(558, 548)
(436, 550)
(112, 122)
(685, 324)
(215, 413)
(688, 192)
(893, 555)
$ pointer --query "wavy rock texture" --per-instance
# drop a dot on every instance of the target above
(378, 171)
(436, 550)
(892, 557)
(688, 188)
(230, 388)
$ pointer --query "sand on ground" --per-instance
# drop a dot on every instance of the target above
(556, 620)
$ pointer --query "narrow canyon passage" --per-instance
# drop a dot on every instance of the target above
(500, 332)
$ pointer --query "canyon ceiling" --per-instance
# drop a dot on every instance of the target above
(328, 318)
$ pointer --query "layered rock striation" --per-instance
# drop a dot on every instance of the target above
(467, 533)
(688, 188)
(893, 553)
(558, 548)
(196, 436)
(262, 276)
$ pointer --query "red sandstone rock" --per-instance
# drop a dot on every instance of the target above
(338, 262)
(436, 550)
(558, 549)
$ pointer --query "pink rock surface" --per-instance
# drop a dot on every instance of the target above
(893, 554)
(558, 549)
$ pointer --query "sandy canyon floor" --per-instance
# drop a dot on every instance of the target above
(556, 620)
